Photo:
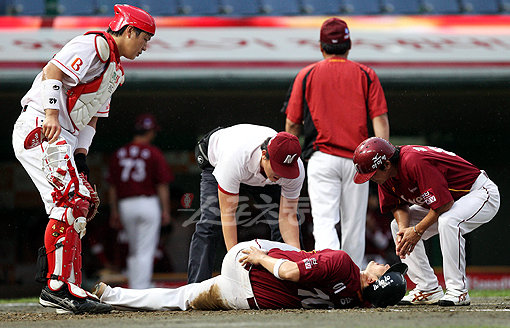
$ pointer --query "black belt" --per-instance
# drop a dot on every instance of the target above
(201, 150)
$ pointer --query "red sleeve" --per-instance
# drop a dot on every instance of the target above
(376, 101)
(324, 266)
(294, 110)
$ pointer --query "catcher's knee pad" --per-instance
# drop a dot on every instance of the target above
(63, 252)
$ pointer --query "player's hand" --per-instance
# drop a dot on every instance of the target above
(51, 126)
(408, 240)
(253, 256)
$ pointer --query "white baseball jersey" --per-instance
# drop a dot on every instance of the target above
(235, 154)
(78, 59)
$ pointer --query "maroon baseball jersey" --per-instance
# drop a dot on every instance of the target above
(136, 169)
(328, 279)
(340, 95)
(429, 177)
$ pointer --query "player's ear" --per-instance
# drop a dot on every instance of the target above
(264, 154)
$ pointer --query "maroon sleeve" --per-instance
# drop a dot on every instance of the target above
(388, 200)
(431, 182)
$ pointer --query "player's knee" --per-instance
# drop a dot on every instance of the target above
(446, 223)
(80, 208)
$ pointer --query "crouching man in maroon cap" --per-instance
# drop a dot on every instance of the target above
(256, 160)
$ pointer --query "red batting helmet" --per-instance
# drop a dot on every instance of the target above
(130, 15)
(369, 156)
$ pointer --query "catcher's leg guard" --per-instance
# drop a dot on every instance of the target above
(63, 249)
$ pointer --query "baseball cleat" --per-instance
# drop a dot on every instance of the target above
(64, 302)
(455, 298)
(422, 297)
(99, 289)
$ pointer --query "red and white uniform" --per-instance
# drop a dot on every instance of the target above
(86, 62)
(328, 279)
(333, 99)
(135, 171)
(429, 177)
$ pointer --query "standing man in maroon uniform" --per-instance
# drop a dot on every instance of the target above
(430, 191)
(262, 274)
(333, 99)
(139, 198)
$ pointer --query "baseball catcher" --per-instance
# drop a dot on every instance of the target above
(51, 139)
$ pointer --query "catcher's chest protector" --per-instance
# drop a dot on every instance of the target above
(85, 100)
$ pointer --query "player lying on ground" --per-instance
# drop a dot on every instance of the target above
(430, 191)
(262, 274)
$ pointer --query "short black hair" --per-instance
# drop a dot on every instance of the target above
(336, 49)
(119, 32)
(264, 146)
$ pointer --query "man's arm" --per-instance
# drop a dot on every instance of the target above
(408, 237)
(228, 208)
(288, 223)
(288, 270)
(381, 126)
(292, 128)
(164, 199)
(51, 125)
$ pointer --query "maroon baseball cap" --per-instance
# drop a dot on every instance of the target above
(334, 31)
(284, 151)
(146, 122)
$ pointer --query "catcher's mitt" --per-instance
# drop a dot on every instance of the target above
(94, 198)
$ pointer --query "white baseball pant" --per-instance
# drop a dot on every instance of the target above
(230, 290)
(469, 212)
(335, 197)
(141, 218)
(32, 160)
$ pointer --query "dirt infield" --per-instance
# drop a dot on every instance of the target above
(483, 312)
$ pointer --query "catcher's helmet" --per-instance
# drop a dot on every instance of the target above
(130, 15)
(389, 288)
(370, 155)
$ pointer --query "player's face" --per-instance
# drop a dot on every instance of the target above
(137, 44)
(381, 176)
(376, 268)
(270, 174)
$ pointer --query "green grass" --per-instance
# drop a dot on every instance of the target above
(20, 300)
(489, 293)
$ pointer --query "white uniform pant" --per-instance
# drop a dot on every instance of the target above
(141, 218)
(335, 197)
(32, 160)
(230, 290)
(469, 212)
